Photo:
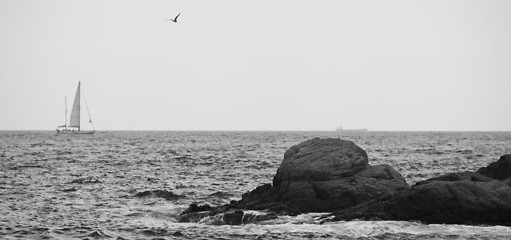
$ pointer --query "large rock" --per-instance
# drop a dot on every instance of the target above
(320, 160)
(456, 202)
(323, 175)
(327, 175)
(460, 198)
(500, 170)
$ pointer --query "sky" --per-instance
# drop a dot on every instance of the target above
(285, 65)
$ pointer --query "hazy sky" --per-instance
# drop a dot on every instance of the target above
(258, 65)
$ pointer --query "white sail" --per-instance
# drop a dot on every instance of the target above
(74, 121)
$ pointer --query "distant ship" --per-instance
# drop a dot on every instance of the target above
(74, 121)
(340, 129)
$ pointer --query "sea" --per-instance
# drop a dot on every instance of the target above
(87, 186)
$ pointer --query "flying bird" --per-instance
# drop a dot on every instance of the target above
(175, 19)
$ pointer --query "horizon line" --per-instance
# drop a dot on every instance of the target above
(238, 130)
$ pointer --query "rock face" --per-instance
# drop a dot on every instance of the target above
(320, 160)
(460, 198)
(324, 175)
(439, 201)
(500, 170)
(452, 177)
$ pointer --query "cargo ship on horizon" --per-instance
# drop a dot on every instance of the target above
(341, 129)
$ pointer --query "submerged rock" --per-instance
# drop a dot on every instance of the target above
(250, 217)
(194, 216)
(69, 189)
(194, 207)
(227, 217)
(86, 180)
(238, 217)
(234, 217)
(168, 195)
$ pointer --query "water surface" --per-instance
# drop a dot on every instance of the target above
(69, 186)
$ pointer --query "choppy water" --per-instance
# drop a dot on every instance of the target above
(78, 187)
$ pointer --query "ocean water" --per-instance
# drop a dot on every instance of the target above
(84, 187)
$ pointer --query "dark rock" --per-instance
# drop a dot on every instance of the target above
(238, 217)
(458, 198)
(227, 216)
(177, 234)
(221, 195)
(455, 202)
(194, 216)
(258, 198)
(150, 179)
(197, 208)
(233, 218)
(500, 170)
(255, 218)
(322, 175)
(333, 175)
(194, 213)
(69, 190)
(507, 181)
(452, 177)
(168, 195)
(320, 160)
(86, 180)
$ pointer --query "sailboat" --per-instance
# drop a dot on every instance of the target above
(74, 121)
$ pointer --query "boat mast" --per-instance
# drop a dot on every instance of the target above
(65, 117)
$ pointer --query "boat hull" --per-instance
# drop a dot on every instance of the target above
(75, 132)
(352, 130)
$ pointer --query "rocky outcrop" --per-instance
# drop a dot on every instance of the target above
(461, 198)
(320, 160)
(333, 175)
(438, 201)
(318, 175)
(324, 175)
(500, 170)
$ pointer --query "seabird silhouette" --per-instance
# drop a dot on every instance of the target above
(175, 19)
